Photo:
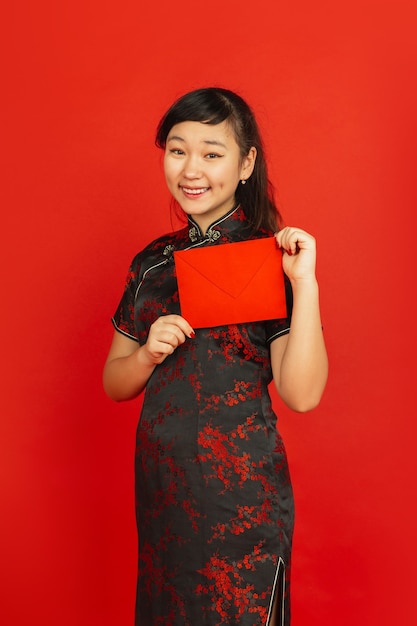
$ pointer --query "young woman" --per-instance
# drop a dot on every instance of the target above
(213, 493)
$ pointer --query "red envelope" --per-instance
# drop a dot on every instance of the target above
(231, 283)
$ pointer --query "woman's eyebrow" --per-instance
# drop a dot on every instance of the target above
(175, 138)
(214, 142)
(209, 142)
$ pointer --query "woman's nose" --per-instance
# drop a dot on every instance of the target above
(192, 167)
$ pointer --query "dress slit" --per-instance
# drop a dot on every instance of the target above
(276, 611)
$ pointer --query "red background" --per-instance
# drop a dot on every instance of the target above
(84, 85)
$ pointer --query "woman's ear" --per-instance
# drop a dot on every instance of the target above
(248, 163)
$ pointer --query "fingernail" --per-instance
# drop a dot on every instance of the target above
(192, 334)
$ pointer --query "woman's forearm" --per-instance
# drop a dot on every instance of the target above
(301, 369)
(125, 377)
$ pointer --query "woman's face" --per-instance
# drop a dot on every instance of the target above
(203, 166)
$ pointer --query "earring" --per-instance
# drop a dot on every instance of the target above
(243, 181)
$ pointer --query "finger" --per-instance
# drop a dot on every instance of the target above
(283, 238)
(179, 322)
(167, 333)
(158, 351)
(169, 341)
(161, 344)
(300, 240)
(280, 235)
(293, 239)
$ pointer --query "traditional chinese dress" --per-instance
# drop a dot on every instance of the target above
(213, 494)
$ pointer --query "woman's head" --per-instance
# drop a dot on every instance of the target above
(213, 106)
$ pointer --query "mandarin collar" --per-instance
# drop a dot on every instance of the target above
(231, 221)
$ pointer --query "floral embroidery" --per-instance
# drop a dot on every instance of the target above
(229, 592)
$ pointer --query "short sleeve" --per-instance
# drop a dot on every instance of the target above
(124, 318)
(278, 327)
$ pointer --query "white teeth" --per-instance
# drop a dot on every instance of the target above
(195, 192)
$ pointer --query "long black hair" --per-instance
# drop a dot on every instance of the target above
(213, 105)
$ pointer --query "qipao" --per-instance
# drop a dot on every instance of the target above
(214, 503)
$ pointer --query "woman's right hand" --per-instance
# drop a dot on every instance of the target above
(128, 366)
(165, 335)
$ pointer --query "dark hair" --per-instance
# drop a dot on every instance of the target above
(213, 105)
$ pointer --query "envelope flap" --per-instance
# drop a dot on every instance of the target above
(230, 267)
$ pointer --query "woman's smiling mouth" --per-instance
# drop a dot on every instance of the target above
(190, 191)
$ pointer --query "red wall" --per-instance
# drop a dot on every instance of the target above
(84, 85)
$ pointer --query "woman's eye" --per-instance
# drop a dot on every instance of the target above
(213, 155)
(176, 151)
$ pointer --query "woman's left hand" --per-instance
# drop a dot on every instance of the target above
(299, 253)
